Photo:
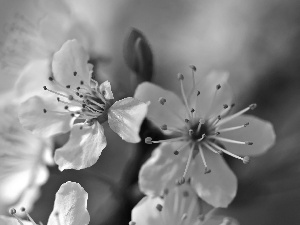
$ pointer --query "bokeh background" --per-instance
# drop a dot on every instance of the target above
(257, 42)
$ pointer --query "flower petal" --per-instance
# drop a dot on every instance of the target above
(145, 212)
(210, 102)
(70, 206)
(106, 88)
(162, 169)
(125, 118)
(32, 79)
(33, 118)
(162, 114)
(83, 148)
(259, 131)
(217, 188)
(70, 65)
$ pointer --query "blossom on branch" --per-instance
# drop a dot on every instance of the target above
(202, 129)
(23, 159)
(74, 101)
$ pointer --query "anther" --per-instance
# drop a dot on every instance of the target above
(68, 86)
(201, 217)
(180, 76)
(232, 105)
(148, 140)
(192, 110)
(185, 194)
(164, 127)
(45, 88)
(246, 124)
(81, 127)
(191, 132)
(77, 93)
(81, 82)
(22, 209)
(166, 191)
(12, 211)
(198, 93)
(252, 106)
(180, 181)
(184, 216)
(159, 207)
(72, 114)
(71, 97)
(186, 120)
(66, 107)
(162, 101)
(217, 133)
(50, 78)
(225, 106)
(218, 86)
(246, 159)
(176, 152)
(249, 143)
(74, 73)
(78, 88)
(206, 170)
(44, 110)
(58, 99)
(193, 67)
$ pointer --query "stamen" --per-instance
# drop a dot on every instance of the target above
(229, 153)
(200, 139)
(176, 152)
(206, 170)
(165, 127)
(227, 119)
(96, 103)
(201, 122)
(233, 128)
(29, 217)
(74, 73)
(194, 81)
(210, 148)
(13, 212)
(180, 78)
(217, 120)
(189, 161)
(230, 140)
(218, 87)
(57, 93)
(148, 140)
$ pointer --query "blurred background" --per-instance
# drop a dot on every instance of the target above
(256, 41)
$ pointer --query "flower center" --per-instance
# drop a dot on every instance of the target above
(196, 133)
(200, 135)
(84, 102)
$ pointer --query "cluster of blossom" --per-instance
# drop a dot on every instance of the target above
(187, 167)
(184, 180)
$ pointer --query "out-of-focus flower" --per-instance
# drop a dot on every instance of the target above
(81, 106)
(180, 205)
(23, 159)
(69, 208)
(202, 129)
(36, 33)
